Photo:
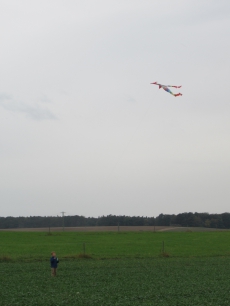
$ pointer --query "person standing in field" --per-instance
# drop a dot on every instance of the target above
(53, 263)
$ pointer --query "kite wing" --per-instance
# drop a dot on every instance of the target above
(173, 86)
(155, 83)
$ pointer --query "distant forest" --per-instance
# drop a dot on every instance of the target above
(183, 219)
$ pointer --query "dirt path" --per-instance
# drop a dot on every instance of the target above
(116, 229)
(91, 229)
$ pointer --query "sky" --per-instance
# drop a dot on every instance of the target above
(81, 128)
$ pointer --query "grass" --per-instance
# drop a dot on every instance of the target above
(122, 282)
(112, 269)
(5, 258)
(30, 245)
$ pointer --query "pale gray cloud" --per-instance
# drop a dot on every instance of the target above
(33, 111)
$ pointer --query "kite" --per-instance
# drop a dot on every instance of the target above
(166, 88)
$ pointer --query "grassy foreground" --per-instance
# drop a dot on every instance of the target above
(123, 282)
(28, 246)
(126, 268)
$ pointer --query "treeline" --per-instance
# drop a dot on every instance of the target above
(183, 219)
(195, 220)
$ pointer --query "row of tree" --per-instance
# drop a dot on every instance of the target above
(183, 219)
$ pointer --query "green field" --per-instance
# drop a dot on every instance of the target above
(30, 245)
(124, 269)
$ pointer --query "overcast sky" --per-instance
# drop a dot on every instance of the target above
(83, 131)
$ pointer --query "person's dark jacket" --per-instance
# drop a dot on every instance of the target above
(54, 262)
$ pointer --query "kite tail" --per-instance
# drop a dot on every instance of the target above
(176, 95)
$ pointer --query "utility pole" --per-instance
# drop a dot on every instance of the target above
(63, 223)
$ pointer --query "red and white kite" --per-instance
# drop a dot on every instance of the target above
(166, 88)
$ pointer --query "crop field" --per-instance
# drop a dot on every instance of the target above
(118, 282)
(26, 246)
(121, 269)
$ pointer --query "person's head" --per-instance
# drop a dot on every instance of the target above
(53, 253)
